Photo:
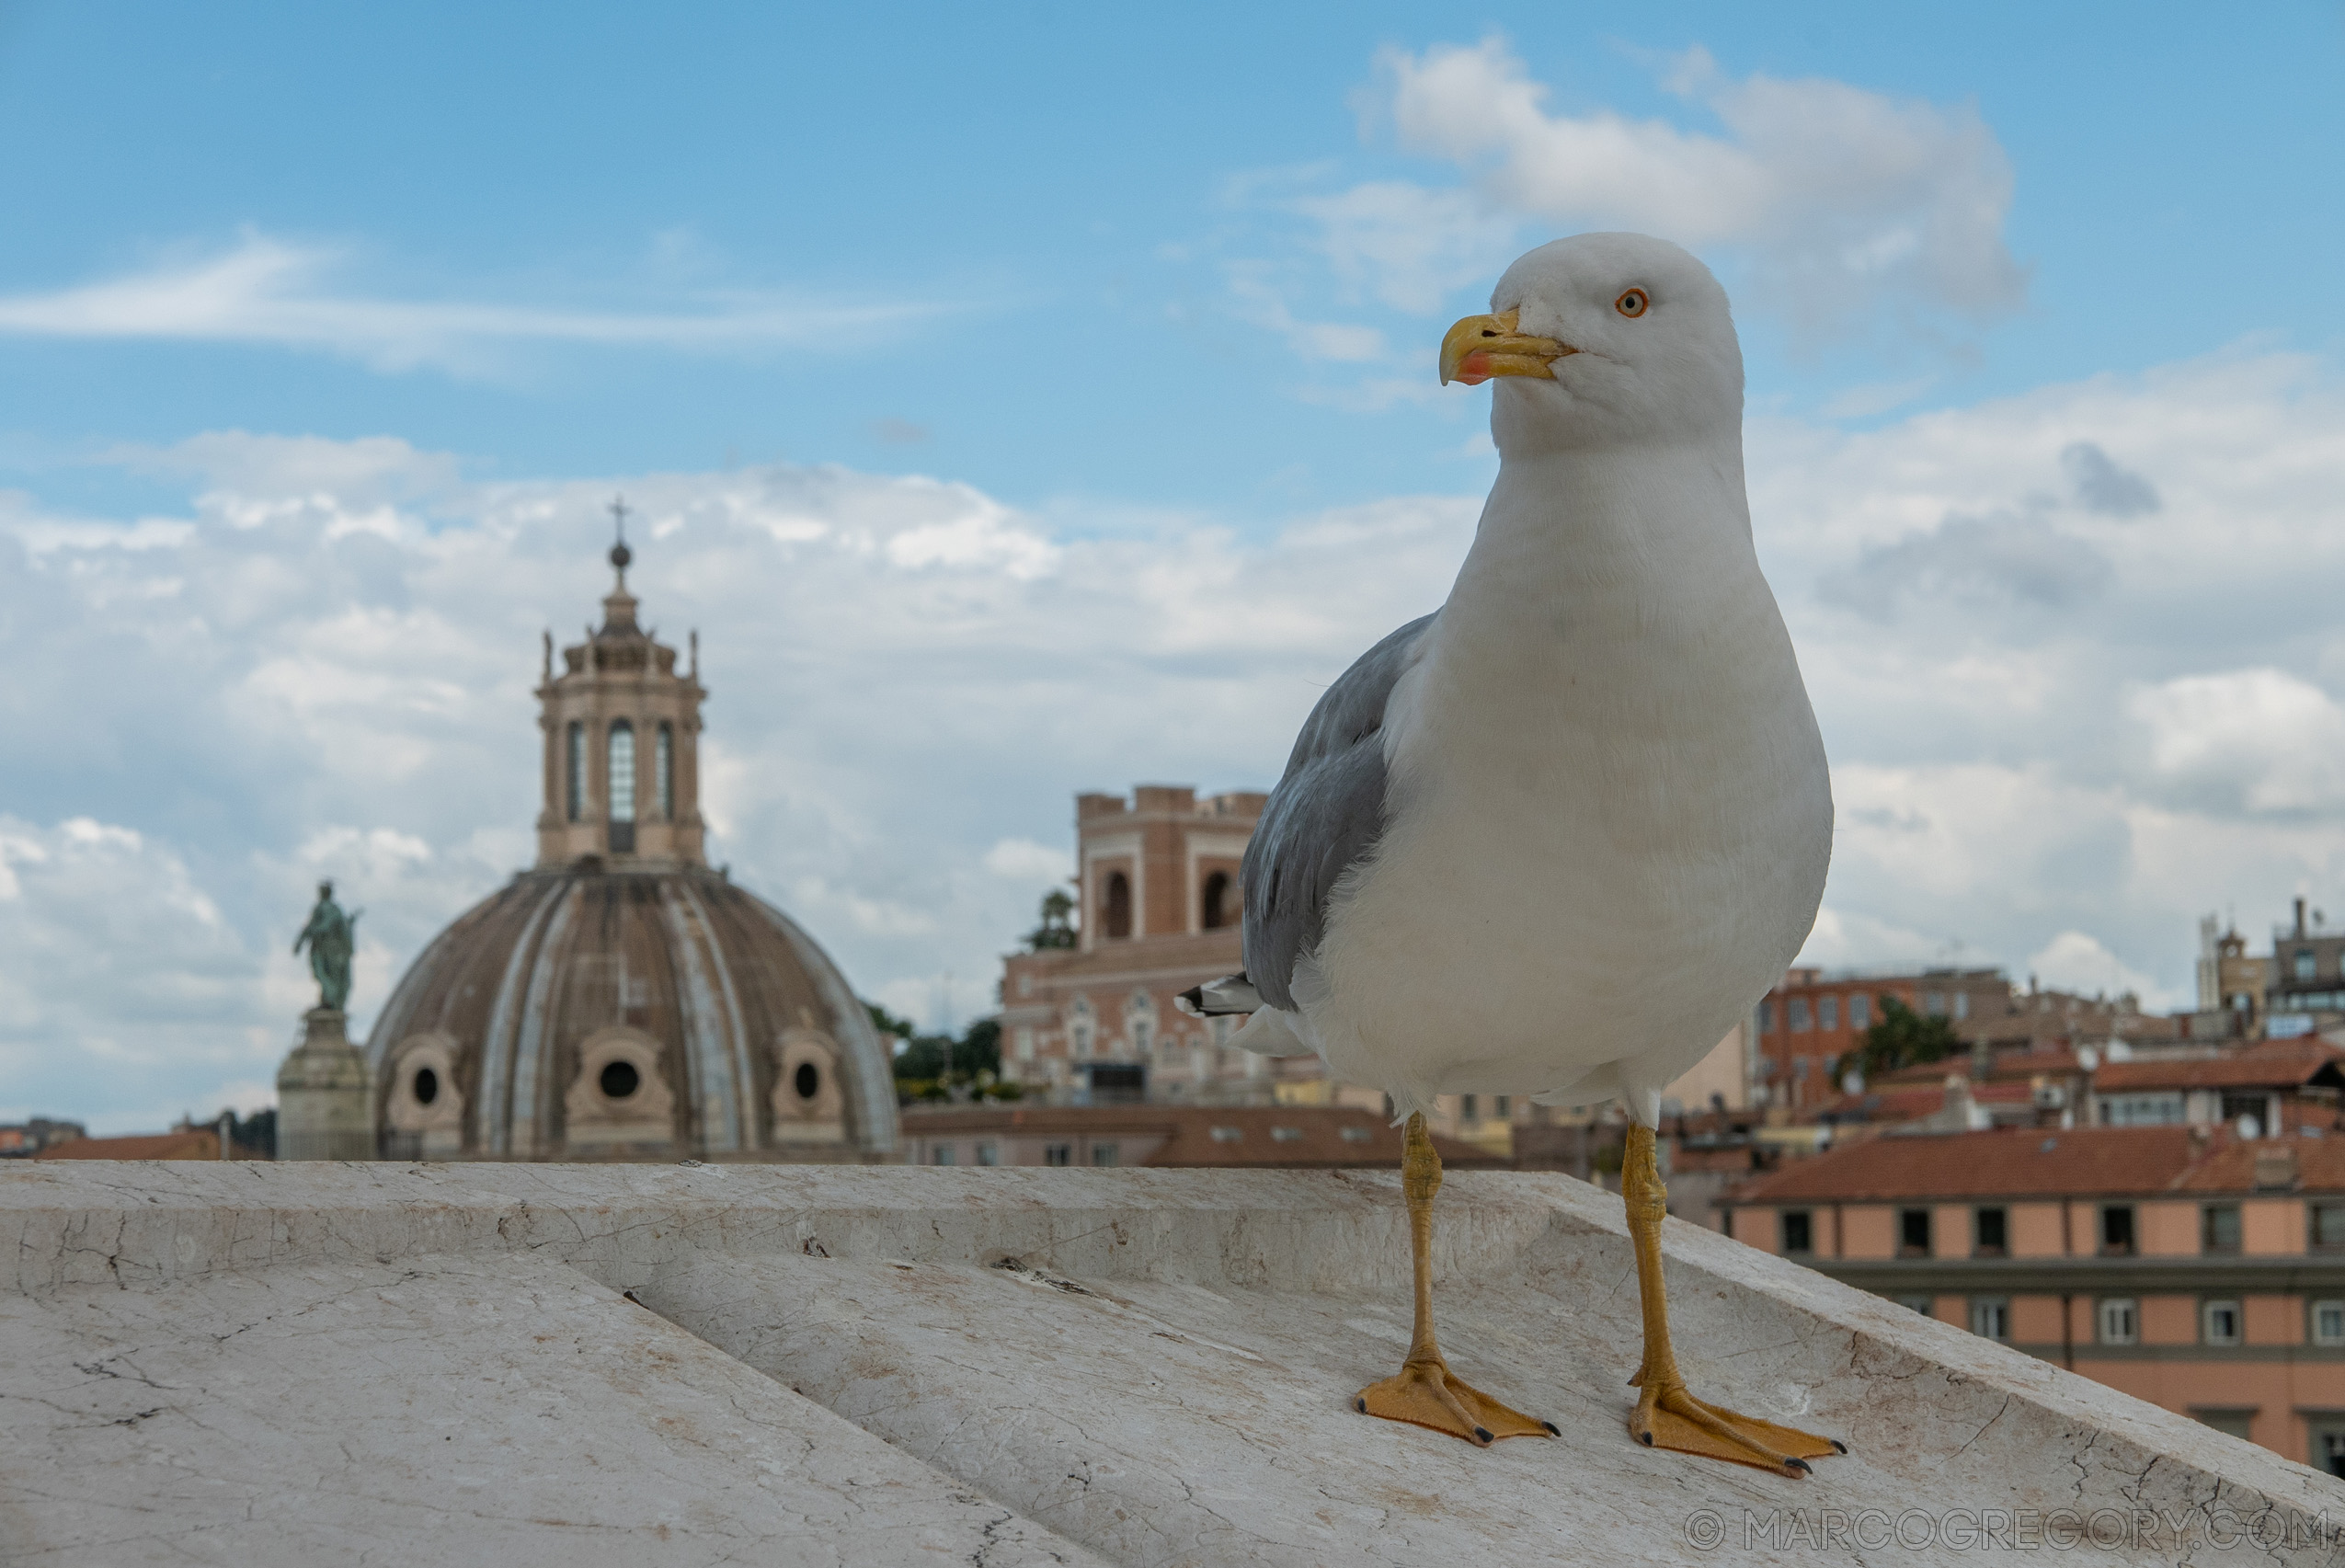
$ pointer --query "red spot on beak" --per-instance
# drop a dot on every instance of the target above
(1474, 369)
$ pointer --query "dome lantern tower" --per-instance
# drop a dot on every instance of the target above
(622, 733)
(620, 1000)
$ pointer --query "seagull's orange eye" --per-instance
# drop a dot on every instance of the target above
(1633, 302)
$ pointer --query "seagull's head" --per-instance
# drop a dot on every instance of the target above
(1603, 339)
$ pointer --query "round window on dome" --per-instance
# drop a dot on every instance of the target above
(427, 1086)
(806, 1080)
(619, 1080)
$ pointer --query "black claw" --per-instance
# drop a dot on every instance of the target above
(1553, 1430)
(1645, 1437)
(1360, 1405)
(1797, 1467)
(1481, 1435)
(1836, 1443)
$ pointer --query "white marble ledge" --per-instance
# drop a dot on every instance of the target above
(498, 1409)
(1185, 1401)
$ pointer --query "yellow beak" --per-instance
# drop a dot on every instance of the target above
(1482, 346)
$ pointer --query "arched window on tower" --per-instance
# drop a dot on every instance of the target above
(666, 764)
(1215, 912)
(622, 787)
(1117, 916)
(573, 781)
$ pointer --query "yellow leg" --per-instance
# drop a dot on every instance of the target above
(1666, 1415)
(1426, 1393)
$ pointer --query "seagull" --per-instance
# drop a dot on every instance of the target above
(1555, 839)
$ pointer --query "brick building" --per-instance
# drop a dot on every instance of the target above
(2186, 1266)
(1815, 1016)
(1157, 888)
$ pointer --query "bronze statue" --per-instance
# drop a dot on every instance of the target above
(331, 936)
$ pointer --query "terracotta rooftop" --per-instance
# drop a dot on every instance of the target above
(197, 1143)
(2005, 1163)
(1315, 1134)
(2280, 1064)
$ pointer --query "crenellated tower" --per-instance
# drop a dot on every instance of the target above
(621, 742)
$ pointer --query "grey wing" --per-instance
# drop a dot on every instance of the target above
(1323, 816)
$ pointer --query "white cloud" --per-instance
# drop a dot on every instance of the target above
(1842, 199)
(2074, 657)
(2074, 961)
(2273, 739)
(1023, 860)
(266, 291)
(909, 680)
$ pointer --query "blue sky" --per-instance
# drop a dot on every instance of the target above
(1050, 197)
(326, 332)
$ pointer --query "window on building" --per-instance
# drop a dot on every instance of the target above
(2329, 1322)
(2306, 968)
(1116, 917)
(623, 772)
(1962, 1004)
(2230, 1421)
(574, 770)
(988, 1154)
(2258, 1106)
(667, 772)
(1501, 1107)
(1861, 1013)
(2219, 1322)
(1022, 1044)
(1827, 1012)
(2219, 1228)
(2327, 1222)
(2120, 1322)
(1213, 904)
(1798, 1010)
(1766, 1017)
(1143, 1033)
(2117, 1231)
(1991, 1318)
(941, 1154)
(1799, 1066)
(1935, 1004)
(622, 786)
(1103, 1154)
(1913, 1232)
(1469, 1108)
(1989, 1232)
(1799, 1231)
(2327, 1445)
(2141, 1110)
(1923, 1304)
(1058, 1153)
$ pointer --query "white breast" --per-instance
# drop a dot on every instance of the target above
(1609, 814)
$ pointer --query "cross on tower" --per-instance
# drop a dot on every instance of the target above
(619, 510)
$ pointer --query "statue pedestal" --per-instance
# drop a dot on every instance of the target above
(321, 1094)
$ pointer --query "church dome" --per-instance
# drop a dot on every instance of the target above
(621, 999)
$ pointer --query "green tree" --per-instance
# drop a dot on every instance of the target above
(887, 1022)
(1056, 929)
(1903, 1038)
(933, 1067)
(980, 1049)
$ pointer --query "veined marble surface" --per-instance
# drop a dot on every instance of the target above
(307, 1364)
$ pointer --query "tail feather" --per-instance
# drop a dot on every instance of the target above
(1232, 993)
